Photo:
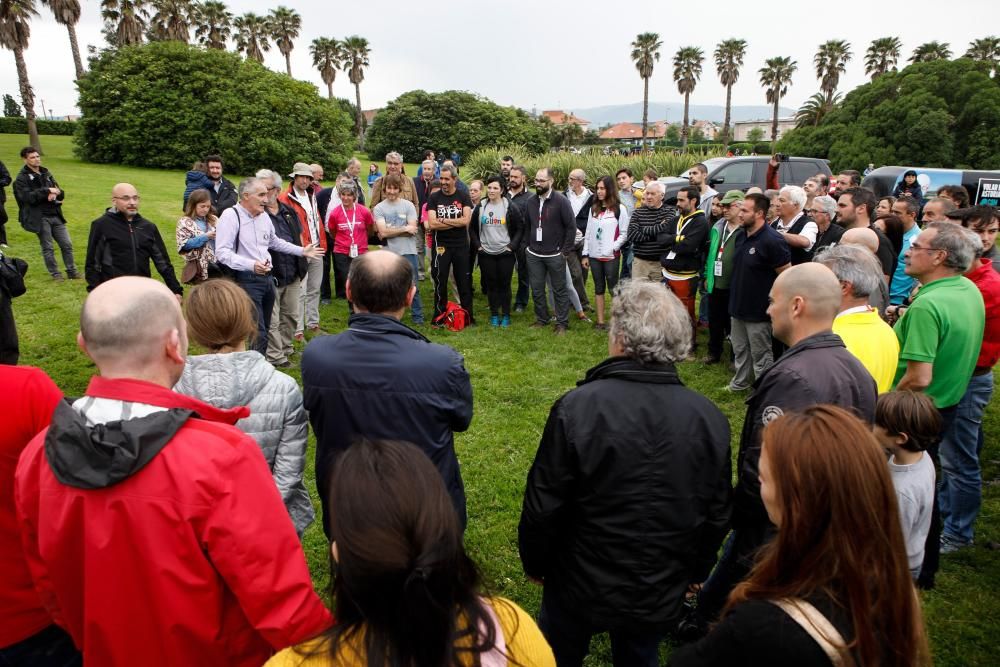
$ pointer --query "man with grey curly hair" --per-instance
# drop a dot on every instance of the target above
(617, 475)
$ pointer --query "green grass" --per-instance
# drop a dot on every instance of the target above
(516, 375)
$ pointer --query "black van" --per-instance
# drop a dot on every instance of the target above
(740, 173)
(983, 186)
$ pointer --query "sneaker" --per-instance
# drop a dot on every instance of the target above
(58, 278)
(950, 545)
(518, 309)
(75, 276)
(582, 316)
(505, 322)
(560, 330)
(299, 336)
(494, 321)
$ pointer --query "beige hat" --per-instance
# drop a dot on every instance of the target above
(301, 169)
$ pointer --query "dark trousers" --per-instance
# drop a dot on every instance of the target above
(719, 322)
(523, 281)
(569, 633)
(261, 292)
(579, 276)
(497, 271)
(553, 268)
(51, 647)
(734, 565)
(932, 545)
(473, 259)
(341, 267)
(443, 261)
(9, 350)
(324, 283)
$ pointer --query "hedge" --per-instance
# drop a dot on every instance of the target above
(16, 125)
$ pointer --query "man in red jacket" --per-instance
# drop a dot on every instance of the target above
(152, 528)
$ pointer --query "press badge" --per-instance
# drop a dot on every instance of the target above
(671, 255)
(718, 269)
(538, 235)
(354, 250)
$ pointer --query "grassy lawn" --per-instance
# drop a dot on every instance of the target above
(516, 375)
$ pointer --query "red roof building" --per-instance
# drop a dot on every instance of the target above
(560, 117)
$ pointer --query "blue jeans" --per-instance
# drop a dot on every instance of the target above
(417, 308)
(261, 292)
(960, 486)
(50, 647)
(627, 256)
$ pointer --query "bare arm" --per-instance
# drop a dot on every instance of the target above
(918, 376)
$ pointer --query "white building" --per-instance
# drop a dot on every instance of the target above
(741, 129)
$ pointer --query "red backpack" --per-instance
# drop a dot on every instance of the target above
(454, 317)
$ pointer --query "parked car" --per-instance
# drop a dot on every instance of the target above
(983, 186)
(740, 173)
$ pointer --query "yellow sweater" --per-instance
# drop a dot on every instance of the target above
(873, 342)
(525, 644)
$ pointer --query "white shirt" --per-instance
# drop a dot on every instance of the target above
(809, 231)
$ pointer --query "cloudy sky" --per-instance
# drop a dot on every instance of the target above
(550, 54)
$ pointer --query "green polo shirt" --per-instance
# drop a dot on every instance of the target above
(944, 327)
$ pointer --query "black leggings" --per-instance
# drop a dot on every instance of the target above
(497, 271)
(605, 273)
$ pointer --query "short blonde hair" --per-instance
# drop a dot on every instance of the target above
(220, 314)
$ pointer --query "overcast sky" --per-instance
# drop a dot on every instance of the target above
(551, 54)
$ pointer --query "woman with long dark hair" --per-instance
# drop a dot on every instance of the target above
(405, 592)
(195, 236)
(833, 586)
(892, 227)
(607, 231)
(496, 231)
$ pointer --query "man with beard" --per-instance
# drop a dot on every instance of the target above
(449, 211)
(855, 207)
(223, 191)
(551, 231)
(517, 193)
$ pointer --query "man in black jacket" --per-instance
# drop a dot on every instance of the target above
(122, 243)
(551, 231)
(223, 192)
(816, 368)
(517, 193)
(686, 241)
(5, 180)
(626, 503)
(39, 200)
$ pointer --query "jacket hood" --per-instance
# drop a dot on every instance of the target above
(625, 368)
(225, 380)
(95, 457)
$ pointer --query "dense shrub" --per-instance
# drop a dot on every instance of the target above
(165, 104)
(14, 125)
(453, 121)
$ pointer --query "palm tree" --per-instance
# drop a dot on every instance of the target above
(285, 26)
(931, 51)
(775, 77)
(815, 109)
(67, 12)
(882, 56)
(170, 20)
(251, 35)
(687, 69)
(327, 54)
(214, 24)
(986, 49)
(356, 54)
(831, 61)
(728, 61)
(645, 52)
(15, 31)
(124, 21)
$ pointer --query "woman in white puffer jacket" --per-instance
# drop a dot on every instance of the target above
(220, 318)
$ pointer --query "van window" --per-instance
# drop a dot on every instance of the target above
(801, 171)
(738, 173)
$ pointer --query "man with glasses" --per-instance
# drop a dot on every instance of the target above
(580, 198)
(822, 211)
(122, 243)
(394, 165)
(551, 232)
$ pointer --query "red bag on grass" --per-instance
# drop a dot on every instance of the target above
(454, 317)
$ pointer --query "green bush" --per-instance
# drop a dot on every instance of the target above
(486, 162)
(166, 104)
(15, 125)
(452, 121)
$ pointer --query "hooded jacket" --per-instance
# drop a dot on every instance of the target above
(153, 530)
(277, 420)
(627, 503)
(121, 247)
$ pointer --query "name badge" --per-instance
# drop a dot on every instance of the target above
(718, 269)
(538, 235)
(354, 250)
(671, 255)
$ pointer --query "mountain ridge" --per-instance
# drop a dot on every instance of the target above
(673, 112)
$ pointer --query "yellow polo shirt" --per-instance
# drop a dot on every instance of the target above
(872, 341)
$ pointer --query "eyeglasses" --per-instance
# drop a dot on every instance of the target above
(915, 246)
(128, 198)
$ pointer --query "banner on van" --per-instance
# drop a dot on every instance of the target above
(988, 193)
(931, 180)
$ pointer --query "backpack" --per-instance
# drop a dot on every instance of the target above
(454, 317)
(12, 272)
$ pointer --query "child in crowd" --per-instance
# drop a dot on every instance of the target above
(906, 424)
(197, 179)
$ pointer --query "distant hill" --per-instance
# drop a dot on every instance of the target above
(673, 112)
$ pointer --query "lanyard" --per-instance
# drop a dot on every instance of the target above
(684, 221)
(726, 237)
(350, 223)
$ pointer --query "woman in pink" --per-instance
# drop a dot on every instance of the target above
(348, 223)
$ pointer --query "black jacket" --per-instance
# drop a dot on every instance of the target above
(818, 369)
(515, 226)
(381, 379)
(121, 247)
(225, 198)
(689, 251)
(287, 268)
(627, 502)
(5, 180)
(558, 225)
(31, 191)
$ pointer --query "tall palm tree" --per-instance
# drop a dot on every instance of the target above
(285, 26)
(252, 33)
(882, 56)
(831, 61)
(986, 49)
(645, 52)
(687, 70)
(327, 54)
(814, 109)
(170, 20)
(356, 52)
(15, 31)
(67, 12)
(124, 21)
(214, 24)
(728, 61)
(931, 51)
(775, 77)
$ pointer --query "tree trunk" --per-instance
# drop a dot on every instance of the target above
(288, 62)
(76, 50)
(329, 90)
(774, 123)
(645, 109)
(27, 98)
(725, 126)
(361, 136)
(684, 126)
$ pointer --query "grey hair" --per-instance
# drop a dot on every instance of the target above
(246, 184)
(795, 194)
(656, 185)
(827, 203)
(450, 168)
(271, 175)
(961, 244)
(428, 162)
(353, 160)
(650, 323)
(393, 155)
(853, 264)
(346, 186)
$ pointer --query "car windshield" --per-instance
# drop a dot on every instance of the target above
(711, 164)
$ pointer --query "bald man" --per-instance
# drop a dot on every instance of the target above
(865, 237)
(816, 368)
(122, 243)
(862, 236)
(185, 492)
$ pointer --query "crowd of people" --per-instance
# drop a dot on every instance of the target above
(865, 344)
